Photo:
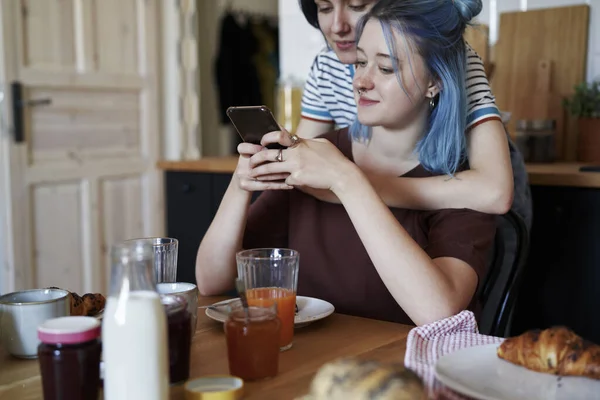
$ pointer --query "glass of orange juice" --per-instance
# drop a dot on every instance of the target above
(271, 277)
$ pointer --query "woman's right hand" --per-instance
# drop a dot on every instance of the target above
(243, 169)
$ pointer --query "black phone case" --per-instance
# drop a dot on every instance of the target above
(253, 122)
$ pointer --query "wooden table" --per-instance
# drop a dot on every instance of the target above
(336, 336)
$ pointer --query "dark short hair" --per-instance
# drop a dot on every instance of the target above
(310, 11)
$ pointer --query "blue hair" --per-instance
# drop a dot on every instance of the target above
(434, 28)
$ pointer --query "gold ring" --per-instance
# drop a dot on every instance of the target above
(279, 156)
(295, 140)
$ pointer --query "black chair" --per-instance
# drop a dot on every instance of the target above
(500, 288)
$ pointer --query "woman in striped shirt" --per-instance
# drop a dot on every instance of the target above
(328, 100)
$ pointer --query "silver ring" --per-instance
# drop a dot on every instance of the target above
(279, 157)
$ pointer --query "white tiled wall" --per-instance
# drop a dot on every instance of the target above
(299, 42)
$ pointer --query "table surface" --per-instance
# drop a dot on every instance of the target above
(314, 345)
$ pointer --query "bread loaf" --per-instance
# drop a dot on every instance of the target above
(365, 380)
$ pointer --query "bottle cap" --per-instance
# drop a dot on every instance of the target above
(69, 330)
(218, 387)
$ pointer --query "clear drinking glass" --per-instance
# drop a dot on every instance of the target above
(165, 257)
(271, 277)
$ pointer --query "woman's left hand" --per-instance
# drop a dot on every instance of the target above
(314, 163)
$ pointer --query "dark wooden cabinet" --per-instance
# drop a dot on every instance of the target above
(562, 281)
(192, 200)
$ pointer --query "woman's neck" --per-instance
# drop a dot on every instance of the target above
(391, 150)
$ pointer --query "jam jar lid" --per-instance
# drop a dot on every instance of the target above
(69, 330)
(214, 387)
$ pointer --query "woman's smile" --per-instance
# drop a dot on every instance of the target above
(364, 101)
(345, 45)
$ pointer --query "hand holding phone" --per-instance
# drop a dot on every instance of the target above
(253, 122)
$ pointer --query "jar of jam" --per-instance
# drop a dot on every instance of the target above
(179, 332)
(69, 357)
(253, 341)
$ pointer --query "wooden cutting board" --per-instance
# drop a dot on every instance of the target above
(557, 35)
(543, 104)
(477, 36)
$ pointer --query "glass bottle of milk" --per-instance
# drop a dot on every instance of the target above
(134, 329)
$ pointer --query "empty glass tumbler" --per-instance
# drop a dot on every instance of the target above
(165, 257)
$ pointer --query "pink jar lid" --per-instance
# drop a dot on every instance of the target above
(69, 330)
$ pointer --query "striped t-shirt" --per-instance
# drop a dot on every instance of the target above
(329, 97)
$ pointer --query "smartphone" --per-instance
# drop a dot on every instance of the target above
(253, 122)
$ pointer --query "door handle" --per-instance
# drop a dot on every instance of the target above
(36, 102)
(16, 90)
(17, 109)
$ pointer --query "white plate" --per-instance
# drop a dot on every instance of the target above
(479, 372)
(309, 310)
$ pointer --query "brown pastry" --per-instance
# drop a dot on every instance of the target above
(77, 306)
(88, 305)
(356, 379)
(556, 350)
(93, 303)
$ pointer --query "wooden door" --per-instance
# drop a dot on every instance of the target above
(83, 152)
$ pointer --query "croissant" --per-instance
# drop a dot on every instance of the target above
(556, 350)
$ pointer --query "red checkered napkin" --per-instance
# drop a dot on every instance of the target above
(427, 343)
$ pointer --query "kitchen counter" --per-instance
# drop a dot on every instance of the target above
(562, 174)
(206, 164)
(555, 174)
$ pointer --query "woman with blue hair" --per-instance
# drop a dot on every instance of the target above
(368, 259)
(496, 180)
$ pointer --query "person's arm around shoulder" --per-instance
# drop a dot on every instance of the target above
(486, 187)
(310, 129)
(489, 159)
